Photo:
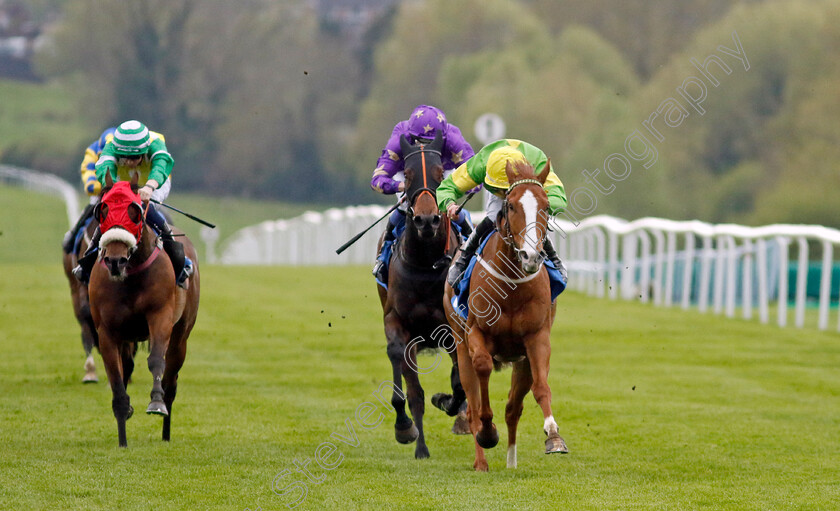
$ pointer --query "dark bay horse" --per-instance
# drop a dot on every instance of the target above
(133, 298)
(411, 306)
(510, 317)
(81, 304)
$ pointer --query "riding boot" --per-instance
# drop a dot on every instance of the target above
(86, 262)
(182, 264)
(548, 248)
(458, 268)
(70, 236)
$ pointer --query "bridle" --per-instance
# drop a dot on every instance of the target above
(425, 189)
(508, 236)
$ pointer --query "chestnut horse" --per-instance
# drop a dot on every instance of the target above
(411, 306)
(81, 305)
(513, 323)
(133, 298)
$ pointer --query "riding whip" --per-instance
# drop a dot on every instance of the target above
(191, 217)
(355, 238)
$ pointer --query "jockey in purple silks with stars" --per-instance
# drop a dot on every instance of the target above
(388, 177)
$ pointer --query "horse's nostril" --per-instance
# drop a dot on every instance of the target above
(436, 220)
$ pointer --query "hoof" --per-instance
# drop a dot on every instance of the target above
(90, 378)
(443, 402)
(407, 435)
(461, 425)
(421, 453)
(555, 444)
(157, 408)
(130, 412)
(487, 439)
(481, 466)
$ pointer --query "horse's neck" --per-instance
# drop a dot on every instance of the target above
(145, 247)
(500, 257)
(421, 252)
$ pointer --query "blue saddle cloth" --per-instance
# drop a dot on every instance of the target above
(81, 234)
(460, 301)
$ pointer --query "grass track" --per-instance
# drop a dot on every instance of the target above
(661, 409)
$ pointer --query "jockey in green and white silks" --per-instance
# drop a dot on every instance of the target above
(135, 149)
(488, 167)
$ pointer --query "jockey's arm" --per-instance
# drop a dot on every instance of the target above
(161, 161)
(454, 187)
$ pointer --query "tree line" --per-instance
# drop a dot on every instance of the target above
(260, 98)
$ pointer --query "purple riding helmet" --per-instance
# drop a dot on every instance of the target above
(422, 124)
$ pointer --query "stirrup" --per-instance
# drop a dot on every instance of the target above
(79, 273)
(186, 273)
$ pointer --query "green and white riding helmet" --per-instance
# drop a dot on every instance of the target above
(131, 139)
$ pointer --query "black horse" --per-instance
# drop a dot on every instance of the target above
(412, 305)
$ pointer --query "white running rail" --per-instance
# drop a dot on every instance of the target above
(715, 267)
(44, 183)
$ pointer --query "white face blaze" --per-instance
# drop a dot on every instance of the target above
(532, 239)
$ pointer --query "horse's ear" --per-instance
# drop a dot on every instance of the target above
(437, 143)
(405, 147)
(108, 181)
(542, 176)
(510, 172)
(135, 177)
(135, 213)
(100, 212)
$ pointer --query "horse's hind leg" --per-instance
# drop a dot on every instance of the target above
(175, 356)
(416, 401)
(539, 353)
(520, 384)
(404, 429)
(120, 402)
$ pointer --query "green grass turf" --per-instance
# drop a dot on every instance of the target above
(661, 409)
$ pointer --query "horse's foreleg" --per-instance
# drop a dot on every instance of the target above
(520, 384)
(160, 328)
(470, 382)
(404, 429)
(416, 400)
(120, 402)
(482, 363)
(538, 348)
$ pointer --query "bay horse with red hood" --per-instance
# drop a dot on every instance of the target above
(411, 306)
(133, 298)
(514, 324)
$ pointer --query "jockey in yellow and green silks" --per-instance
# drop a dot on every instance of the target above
(91, 186)
(135, 149)
(488, 167)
